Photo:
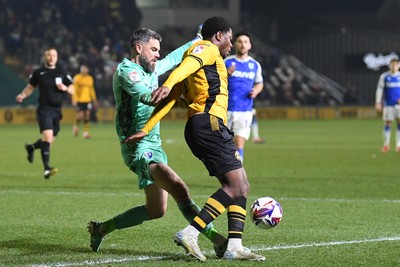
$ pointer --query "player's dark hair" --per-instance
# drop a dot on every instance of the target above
(49, 48)
(238, 34)
(143, 35)
(213, 25)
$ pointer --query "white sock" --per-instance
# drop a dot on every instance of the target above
(254, 131)
(386, 137)
(234, 244)
(190, 230)
(397, 138)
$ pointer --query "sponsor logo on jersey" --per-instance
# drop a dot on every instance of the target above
(244, 74)
(393, 84)
(134, 76)
(198, 49)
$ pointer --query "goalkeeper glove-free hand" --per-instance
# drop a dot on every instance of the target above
(199, 37)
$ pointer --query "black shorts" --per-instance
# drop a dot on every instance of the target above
(83, 106)
(212, 142)
(49, 119)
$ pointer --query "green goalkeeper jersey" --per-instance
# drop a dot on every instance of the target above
(132, 87)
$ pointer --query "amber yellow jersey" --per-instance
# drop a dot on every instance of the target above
(202, 79)
(205, 80)
(84, 89)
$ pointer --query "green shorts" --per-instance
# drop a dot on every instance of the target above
(138, 159)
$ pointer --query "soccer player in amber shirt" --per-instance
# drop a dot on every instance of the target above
(83, 98)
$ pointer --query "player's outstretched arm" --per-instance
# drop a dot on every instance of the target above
(158, 113)
(134, 138)
(159, 94)
(26, 92)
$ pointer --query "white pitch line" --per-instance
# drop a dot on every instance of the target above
(70, 193)
(280, 247)
(139, 193)
(332, 243)
(96, 262)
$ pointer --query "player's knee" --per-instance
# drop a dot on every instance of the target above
(243, 190)
(157, 213)
(236, 192)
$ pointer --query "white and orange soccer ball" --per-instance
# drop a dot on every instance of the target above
(266, 212)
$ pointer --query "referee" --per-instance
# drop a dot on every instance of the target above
(54, 84)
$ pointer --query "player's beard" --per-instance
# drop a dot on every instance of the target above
(241, 53)
(146, 64)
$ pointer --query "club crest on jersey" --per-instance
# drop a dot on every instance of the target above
(198, 49)
(251, 65)
(134, 76)
(148, 154)
(237, 155)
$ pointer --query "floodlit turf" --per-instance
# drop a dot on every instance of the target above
(339, 193)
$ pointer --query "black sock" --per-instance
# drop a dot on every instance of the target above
(237, 217)
(37, 144)
(45, 152)
(215, 205)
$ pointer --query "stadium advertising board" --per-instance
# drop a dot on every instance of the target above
(369, 60)
(28, 115)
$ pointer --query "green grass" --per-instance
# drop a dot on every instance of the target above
(339, 194)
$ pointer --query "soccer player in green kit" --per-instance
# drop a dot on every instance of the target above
(133, 84)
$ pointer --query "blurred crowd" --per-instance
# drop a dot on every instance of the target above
(96, 33)
(290, 88)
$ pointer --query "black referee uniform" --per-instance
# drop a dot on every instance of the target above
(48, 113)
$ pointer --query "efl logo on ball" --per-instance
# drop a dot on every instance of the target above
(266, 212)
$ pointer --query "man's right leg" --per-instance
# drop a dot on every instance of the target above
(30, 149)
(235, 183)
(86, 124)
(78, 119)
(215, 206)
(47, 139)
(156, 206)
(386, 136)
(168, 179)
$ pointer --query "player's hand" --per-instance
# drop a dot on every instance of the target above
(62, 87)
(199, 31)
(378, 107)
(159, 94)
(19, 98)
(253, 93)
(95, 104)
(231, 69)
(198, 37)
(134, 138)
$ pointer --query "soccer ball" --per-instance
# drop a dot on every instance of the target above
(266, 212)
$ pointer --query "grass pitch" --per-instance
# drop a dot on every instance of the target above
(340, 198)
